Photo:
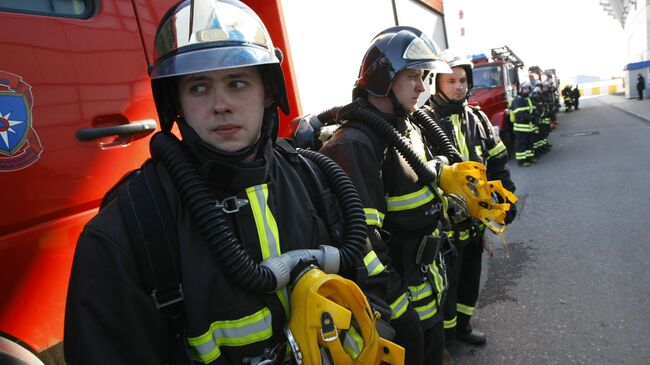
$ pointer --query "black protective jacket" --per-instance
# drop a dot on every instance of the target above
(110, 319)
(400, 211)
(471, 132)
(470, 126)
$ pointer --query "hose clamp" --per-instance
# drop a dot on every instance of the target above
(231, 204)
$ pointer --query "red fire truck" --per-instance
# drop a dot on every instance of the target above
(75, 110)
(496, 81)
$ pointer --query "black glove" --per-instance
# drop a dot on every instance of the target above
(436, 164)
(511, 214)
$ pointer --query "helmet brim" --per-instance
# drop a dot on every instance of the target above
(208, 59)
(436, 67)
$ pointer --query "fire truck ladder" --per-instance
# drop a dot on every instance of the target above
(506, 54)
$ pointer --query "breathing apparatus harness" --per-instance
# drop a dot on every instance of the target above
(209, 217)
(465, 183)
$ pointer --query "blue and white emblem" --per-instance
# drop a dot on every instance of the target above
(15, 122)
(20, 146)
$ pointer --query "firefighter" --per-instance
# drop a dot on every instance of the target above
(472, 134)
(567, 97)
(224, 198)
(575, 93)
(549, 114)
(539, 135)
(402, 206)
(523, 125)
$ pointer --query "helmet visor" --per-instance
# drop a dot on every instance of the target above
(421, 54)
(214, 32)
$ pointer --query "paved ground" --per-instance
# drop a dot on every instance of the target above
(635, 107)
(576, 287)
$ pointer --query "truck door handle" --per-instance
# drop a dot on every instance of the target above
(115, 125)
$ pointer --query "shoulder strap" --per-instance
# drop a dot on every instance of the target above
(378, 143)
(151, 228)
(314, 182)
(482, 121)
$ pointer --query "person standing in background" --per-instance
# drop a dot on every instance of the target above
(640, 86)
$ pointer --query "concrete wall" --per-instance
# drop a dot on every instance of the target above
(602, 87)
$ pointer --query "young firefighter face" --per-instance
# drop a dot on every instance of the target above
(224, 107)
(453, 85)
(407, 87)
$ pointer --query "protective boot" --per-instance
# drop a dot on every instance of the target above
(465, 332)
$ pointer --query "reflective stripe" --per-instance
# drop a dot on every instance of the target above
(267, 231)
(521, 109)
(421, 291)
(239, 332)
(500, 147)
(465, 309)
(427, 311)
(450, 323)
(410, 201)
(373, 264)
(438, 279)
(460, 137)
(352, 343)
(478, 150)
(398, 307)
(522, 127)
(374, 217)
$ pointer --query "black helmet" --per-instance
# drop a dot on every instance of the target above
(454, 60)
(207, 35)
(391, 51)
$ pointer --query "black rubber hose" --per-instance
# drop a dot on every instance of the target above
(328, 117)
(437, 137)
(388, 132)
(354, 231)
(223, 244)
(209, 218)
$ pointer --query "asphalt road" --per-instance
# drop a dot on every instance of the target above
(576, 289)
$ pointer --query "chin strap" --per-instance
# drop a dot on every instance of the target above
(205, 152)
(398, 109)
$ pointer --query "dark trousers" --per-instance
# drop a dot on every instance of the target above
(464, 278)
(640, 92)
(422, 346)
(523, 146)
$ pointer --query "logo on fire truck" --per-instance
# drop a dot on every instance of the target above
(20, 146)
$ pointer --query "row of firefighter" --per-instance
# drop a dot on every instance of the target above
(533, 114)
(358, 241)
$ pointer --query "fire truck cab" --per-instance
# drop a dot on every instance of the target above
(496, 82)
(76, 113)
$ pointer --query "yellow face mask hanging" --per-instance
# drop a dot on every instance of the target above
(333, 323)
(469, 180)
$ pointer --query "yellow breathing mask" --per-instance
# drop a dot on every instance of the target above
(469, 180)
(324, 309)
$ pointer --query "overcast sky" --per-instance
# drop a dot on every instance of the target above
(576, 37)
